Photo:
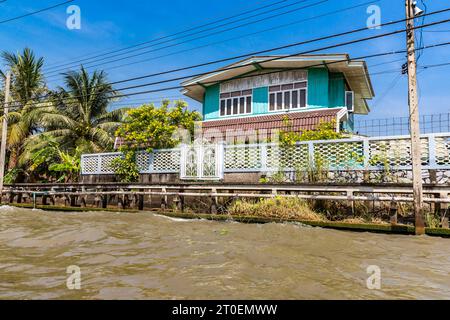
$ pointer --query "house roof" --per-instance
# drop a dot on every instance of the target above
(355, 72)
(298, 121)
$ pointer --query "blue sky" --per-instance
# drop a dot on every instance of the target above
(109, 25)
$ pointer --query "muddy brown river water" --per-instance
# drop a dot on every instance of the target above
(147, 256)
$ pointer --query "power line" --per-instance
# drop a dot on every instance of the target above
(274, 58)
(271, 59)
(432, 31)
(389, 88)
(234, 38)
(268, 50)
(254, 53)
(180, 97)
(246, 76)
(436, 65)
(321, 64)
(290, 45)
(160, 98)
(115, 54)
(36, 12)
(171, 35)
(53, 72)
(421, 39)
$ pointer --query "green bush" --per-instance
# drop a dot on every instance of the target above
(125, 168)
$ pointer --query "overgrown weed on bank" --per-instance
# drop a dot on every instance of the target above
(278, 207)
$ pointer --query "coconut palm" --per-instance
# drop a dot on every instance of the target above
(27, 81)
(27, 86)
(80, 117)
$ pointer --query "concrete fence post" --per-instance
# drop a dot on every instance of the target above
(263, 153)
(432, 151)
(312, 156)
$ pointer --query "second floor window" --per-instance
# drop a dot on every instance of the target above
(287, 96)
(235, 103)
(350, 101)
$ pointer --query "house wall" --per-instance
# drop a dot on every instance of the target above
(318, 85)
(261, 100)
(349, 125)
(336, 90)
(325, 90)
(211, 102)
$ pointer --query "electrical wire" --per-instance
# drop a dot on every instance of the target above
(115, 54)
(246, 76)
(230, 39)
(276, 58)
(173, 34)
(36, 12)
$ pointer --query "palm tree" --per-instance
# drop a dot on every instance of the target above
(80, 117)
(27, 86)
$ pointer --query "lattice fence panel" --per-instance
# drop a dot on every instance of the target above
(143, 160)
(442, 151)
(242, 158)
(395, 153)
(295, 157)
(341, 155)
(90, 164)
(166, 160)
(106, 163)
(292, 158)
(273, 157)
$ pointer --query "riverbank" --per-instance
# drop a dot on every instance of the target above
(344, 226)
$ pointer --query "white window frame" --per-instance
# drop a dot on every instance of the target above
(283, 95)
(353, 100)
(239, 104)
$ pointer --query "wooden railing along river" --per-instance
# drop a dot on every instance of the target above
(145, 196)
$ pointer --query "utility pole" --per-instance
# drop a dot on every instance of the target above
(4, 132)
(414, 119)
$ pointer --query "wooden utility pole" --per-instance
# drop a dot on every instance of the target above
(414, 119)
(4, 132)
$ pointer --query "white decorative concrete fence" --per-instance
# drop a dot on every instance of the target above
(344, 155)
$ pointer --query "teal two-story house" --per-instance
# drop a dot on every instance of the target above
(259, 93)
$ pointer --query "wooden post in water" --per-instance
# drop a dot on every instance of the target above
(141, 202)
(44, 200)
(214, 202)
(351, 203)
(164, 200)
(53, 200)
(105, 201)
(393, 213)
(83, 198)
(444, 211)
(180, 204)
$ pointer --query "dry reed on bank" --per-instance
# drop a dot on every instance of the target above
(279, 207)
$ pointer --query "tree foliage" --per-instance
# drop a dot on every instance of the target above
(80, 116)
(27, 86)
(324, 131)
(49, 129)
(149, 127)
(53, 164)
(125, 167)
